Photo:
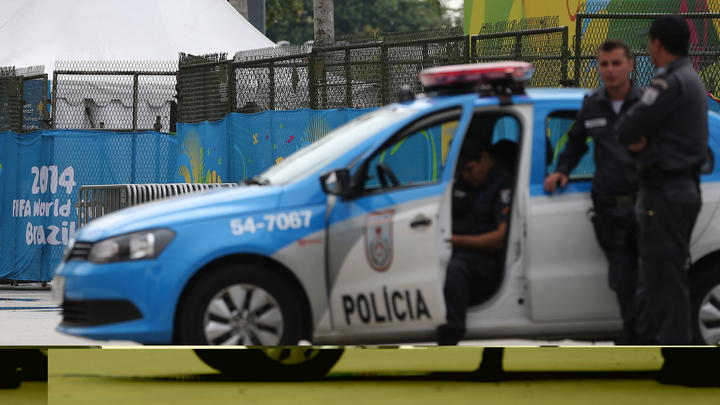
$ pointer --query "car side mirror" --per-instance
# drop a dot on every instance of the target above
(337, 182)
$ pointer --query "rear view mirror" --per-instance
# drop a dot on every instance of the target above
(336, 182)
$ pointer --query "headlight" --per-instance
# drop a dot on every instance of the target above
(132, 246)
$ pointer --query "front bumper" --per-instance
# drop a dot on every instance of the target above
(98, 312)
(121, 301)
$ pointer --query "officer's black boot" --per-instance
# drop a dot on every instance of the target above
(491, 366)
(449, 335)
(690, 366)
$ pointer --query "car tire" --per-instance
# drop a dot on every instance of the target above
(705, 296)
(281, 363)
(242, 304)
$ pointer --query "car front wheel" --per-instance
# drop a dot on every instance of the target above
(242, 304)
(706, 305)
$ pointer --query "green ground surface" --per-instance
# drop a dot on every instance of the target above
(368, 376)
(29, 393)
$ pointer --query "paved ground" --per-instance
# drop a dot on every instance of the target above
(369, 376)
(29, 393)
(29, 317)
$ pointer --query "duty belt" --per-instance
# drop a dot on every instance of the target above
(614, 201)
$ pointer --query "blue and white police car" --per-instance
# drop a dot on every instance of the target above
(346, 241)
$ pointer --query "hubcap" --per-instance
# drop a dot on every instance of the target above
(243, 314)
(709, 316)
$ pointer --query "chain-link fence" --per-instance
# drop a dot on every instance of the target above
(202, 87)
(631, 27)
(115, 95)
(410, 52)
(23, 99)
(357, 72)
(546, 48)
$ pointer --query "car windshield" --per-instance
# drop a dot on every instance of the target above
(333, 145)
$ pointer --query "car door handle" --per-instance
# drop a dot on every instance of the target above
(420, 221)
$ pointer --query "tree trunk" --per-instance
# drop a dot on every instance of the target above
(324, 21)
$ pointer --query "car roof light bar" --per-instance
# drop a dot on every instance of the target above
(500, 79)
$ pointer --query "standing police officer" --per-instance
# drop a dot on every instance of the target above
(480, 212)
(615, 181)
(668, 129)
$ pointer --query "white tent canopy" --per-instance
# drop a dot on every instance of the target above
(41, 32)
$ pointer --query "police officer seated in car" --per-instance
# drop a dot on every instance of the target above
(480, 213)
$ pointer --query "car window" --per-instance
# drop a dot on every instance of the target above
(557, 126)
(335, 144)
(415, 159)
(506, 128)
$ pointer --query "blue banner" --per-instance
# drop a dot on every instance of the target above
(41, 171)
(244, 145)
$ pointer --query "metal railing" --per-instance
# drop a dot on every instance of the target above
(115, 95)
(356, 73)
(95, 201)
(546, 48)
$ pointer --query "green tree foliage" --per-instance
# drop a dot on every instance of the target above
(292, 20)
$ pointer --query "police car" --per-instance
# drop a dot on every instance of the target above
(346, 241)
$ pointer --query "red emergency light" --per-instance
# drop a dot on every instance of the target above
(489, 79)
(476, 72)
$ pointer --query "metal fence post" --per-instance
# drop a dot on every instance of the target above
(232, 88)
(135, 102)
(271, 79)
(517, 51)
(45, 98)
(21, 104)
(384, 75)
(348, 80)
(564, 58)
(466, 56)
(53, 101)
(578, 48)
(425, 55)
(312, 81)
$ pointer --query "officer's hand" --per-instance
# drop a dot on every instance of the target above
(639, 145)
(552, 181)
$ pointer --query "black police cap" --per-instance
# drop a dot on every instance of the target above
(672, 31)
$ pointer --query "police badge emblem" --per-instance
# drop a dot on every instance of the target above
(379, 239)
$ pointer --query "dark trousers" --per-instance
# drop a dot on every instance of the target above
(616, 232)
(471, 278)
(666, 214)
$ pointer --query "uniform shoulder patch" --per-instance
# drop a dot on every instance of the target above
(649, 96)
(505, 195)
(660, 82)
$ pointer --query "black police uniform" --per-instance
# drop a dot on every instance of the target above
(615, 187)
(474, 274)
(672, 116)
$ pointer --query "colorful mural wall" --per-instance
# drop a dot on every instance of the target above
(478, 12)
